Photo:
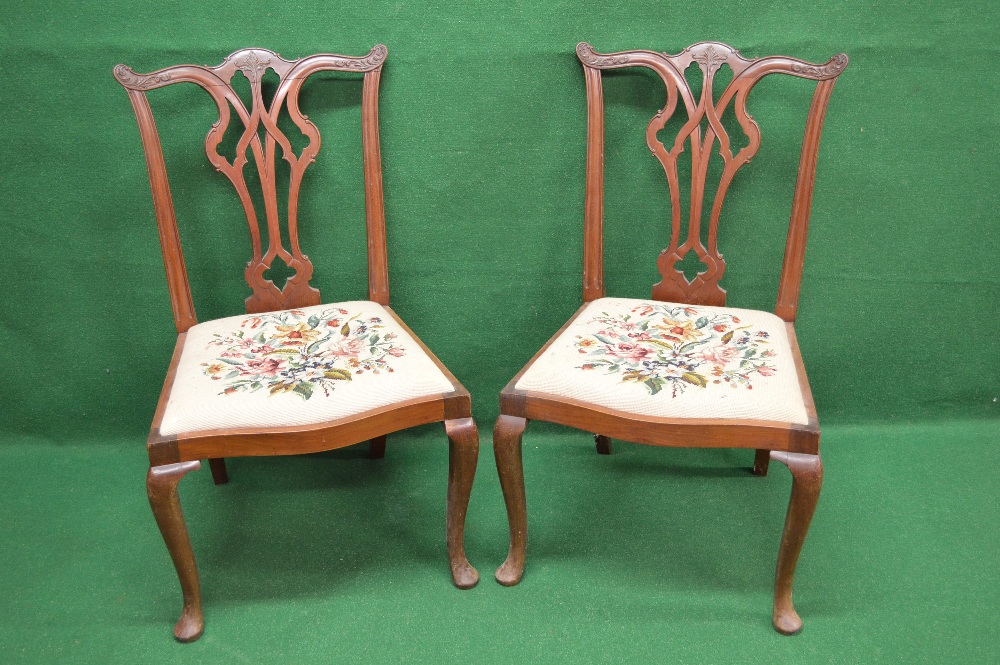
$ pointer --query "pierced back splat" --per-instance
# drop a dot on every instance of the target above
(698, 136)
(261, 118)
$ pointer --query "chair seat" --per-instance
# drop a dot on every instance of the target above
(296, 367)
(673, 361)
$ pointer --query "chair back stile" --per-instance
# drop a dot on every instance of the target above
(217, 81)
(698, 135)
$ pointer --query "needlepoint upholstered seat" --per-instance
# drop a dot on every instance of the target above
(681, 368)
(296, 367)
(673, 361)
(292, 375)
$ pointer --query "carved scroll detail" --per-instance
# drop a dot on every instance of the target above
(588, 57)
(710, 59)
(835, 66)
(370, 61)
(252, 66)
(130, 79)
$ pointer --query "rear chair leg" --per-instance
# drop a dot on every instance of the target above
(161, 486)
(807, 478)
(761, 461)
(603, 444)
(463, 456)
(507, 449)
(376, 447)
(219, 474)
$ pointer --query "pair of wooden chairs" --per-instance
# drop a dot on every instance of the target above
(296, 375)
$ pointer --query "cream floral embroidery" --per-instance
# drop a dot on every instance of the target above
(288, 352)
(677, 346)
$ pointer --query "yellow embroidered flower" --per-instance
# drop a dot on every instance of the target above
(215, 368)
(680, 330)
(299, 332)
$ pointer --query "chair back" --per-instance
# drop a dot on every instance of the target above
(697, 136)
(262, 138)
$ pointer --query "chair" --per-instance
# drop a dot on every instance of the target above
(681, 369)
(293, 375)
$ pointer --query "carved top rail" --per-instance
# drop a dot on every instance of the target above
(259, 116)
(699, 134)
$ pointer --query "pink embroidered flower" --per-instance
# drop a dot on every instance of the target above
(719, 328)
(765, 370)
(642, 310)
(720, 355)
(629, 351)
(342, 347)
(262, 349)
(397, 352)
(333, 323)
(268, 367)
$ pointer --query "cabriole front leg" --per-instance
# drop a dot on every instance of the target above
(161, 486)
(507, 449)
(807, 478)
(463, 456)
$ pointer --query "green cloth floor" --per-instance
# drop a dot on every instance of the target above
(651, 555)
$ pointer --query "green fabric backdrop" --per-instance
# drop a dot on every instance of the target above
(483, 138)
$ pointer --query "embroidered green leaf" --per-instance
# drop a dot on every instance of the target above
(658, 342)
(701, 323)
(750, 354)
(727, 337)
(337, 374)
(603, 339)
(653, 385)
(313, 321)
(231, 362)
(304, 389)
(374, 340)
(232, 375)
(284, 350)
(346, 329)
(694, 379)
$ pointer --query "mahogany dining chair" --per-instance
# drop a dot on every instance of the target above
(295, 374)
(681, 368)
